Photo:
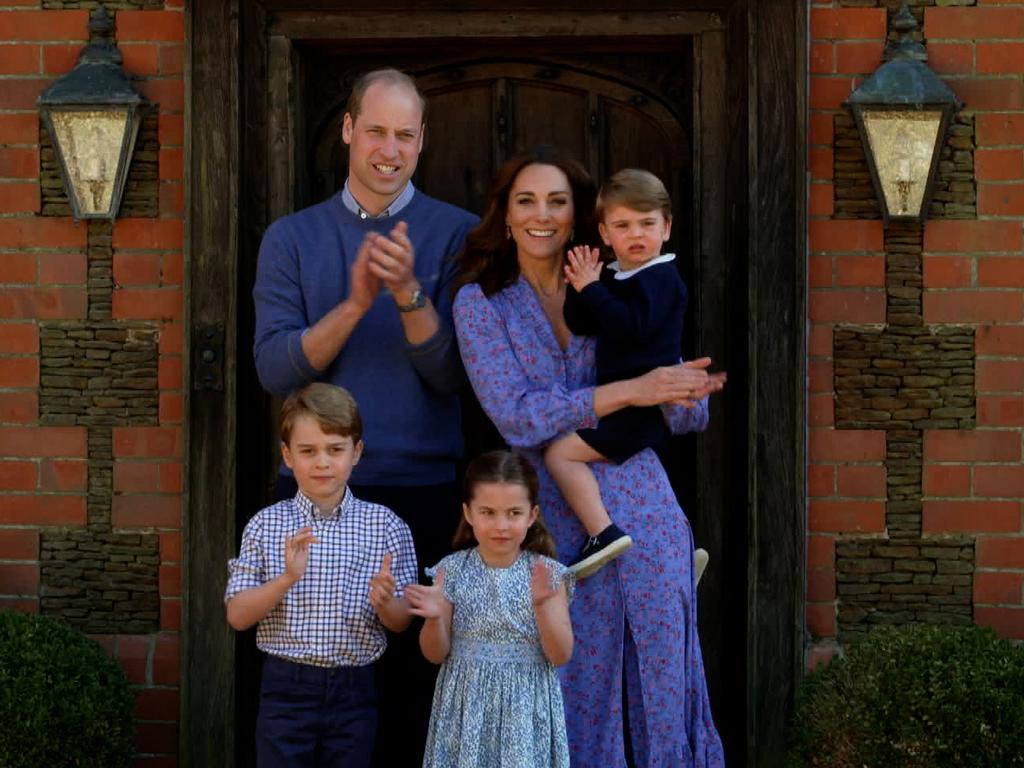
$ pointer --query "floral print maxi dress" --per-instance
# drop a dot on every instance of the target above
(634, 621)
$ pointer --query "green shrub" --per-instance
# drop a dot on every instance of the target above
(914, 697)
(62, 701)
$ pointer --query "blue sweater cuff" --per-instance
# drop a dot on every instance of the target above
(297, 358)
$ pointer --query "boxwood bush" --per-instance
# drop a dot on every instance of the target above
(62, 701)
(914, 697)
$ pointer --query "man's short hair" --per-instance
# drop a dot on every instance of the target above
(387, 76)
(635, 189)
(333, 407)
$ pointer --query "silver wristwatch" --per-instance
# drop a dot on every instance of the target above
(418, 301)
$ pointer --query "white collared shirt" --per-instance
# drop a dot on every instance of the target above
(403, 199)
(625, 274)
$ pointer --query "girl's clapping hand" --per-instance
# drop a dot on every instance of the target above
(428, 602)
(540, 584)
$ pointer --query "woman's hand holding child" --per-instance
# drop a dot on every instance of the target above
(685, 384)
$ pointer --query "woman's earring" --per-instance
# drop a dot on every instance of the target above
(508, 232)
(572, 234)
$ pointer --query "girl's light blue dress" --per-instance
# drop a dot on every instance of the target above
(498, 701)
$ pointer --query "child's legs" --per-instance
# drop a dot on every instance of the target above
(566, 459)
(349, 719)
(288, 721)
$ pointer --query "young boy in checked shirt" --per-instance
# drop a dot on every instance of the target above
(323, 574)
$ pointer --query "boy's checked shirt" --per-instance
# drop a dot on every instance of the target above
(326, 618)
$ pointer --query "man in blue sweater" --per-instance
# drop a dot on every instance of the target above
(356, 291)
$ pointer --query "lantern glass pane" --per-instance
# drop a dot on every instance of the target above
(90, 143)
(902, 144)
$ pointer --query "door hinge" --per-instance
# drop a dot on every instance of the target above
(208, 356)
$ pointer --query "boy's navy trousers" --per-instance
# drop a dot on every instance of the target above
(315, 717)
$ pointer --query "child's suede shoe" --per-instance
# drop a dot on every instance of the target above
(600, 550)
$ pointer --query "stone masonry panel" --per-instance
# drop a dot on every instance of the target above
(98, 373)
(101, 583)
(903, 378)
(880, 583)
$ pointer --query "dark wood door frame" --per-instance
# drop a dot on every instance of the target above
(751, 189)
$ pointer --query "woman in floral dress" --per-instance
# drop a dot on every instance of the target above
(636, 667)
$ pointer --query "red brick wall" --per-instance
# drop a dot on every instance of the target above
(973, 480)
(44, 469)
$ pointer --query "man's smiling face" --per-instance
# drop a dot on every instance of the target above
(384, 142)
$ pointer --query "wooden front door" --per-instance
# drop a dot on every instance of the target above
(482, 112)
(669, 90)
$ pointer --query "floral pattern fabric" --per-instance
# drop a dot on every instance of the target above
(634, 621)
(497, 701)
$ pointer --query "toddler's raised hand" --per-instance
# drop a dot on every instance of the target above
(427, 602)
(382, 584)
(540, 584)
(583, 267)
(296, 552)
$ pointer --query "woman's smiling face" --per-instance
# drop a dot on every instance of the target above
(540, 212)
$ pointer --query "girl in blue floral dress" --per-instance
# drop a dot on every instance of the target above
(497, 620)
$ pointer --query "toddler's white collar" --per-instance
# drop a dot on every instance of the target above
(625, 274)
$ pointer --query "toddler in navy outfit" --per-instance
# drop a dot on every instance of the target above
(634, 306)
(323, 574)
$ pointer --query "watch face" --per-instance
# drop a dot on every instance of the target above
(417, 301)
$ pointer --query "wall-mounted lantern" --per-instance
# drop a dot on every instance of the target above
(903, 111)
(92, 116)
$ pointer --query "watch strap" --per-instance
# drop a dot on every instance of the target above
(417, 301)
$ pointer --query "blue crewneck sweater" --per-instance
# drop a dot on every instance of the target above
(407, 394)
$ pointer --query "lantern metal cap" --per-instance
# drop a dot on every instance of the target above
(904, 79)
(906, 83)
(903, 111)
(97, 77)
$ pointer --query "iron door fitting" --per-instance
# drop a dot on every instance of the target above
(208, 357)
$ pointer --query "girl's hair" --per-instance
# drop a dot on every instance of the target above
(489, 256)
(511, 469)
(635, 189)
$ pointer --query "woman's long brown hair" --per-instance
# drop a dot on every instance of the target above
(512, 469)
(489, 256)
